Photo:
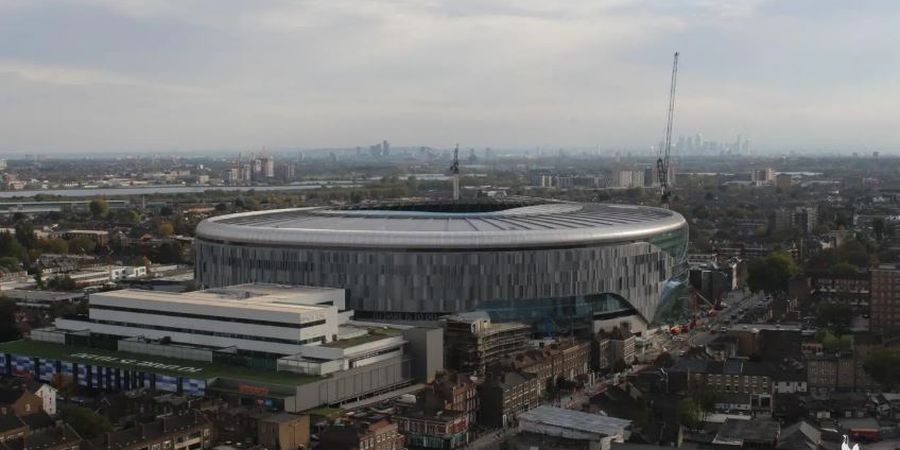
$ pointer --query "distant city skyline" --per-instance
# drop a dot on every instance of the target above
(138, 76)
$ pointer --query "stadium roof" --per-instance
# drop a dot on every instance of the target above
(445, 225)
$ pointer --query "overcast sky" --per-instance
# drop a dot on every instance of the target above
(162, 75)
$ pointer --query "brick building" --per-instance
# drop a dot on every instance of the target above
(885, 302)
(851, 289)
(19, 401)
(505, 394)
(831, 372)
(180, 432)
(283, 432)
(565, 359)
(458, 393)
(379, 435)
(426, 428)
(728, 377)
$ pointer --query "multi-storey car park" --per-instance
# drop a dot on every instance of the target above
(552, 264)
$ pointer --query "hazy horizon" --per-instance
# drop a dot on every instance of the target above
(128, 76)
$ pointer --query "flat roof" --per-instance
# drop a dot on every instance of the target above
(516, 224)
(261, 297)
(575, 420)
(373, 335)
(150, 363)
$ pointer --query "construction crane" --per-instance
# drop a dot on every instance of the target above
(454, 171)
(662, 163)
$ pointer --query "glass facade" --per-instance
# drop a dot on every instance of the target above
(558, 315)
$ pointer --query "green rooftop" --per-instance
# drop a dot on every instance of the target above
(134, 361)
(373, 335)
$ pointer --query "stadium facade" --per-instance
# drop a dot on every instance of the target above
(559, 264)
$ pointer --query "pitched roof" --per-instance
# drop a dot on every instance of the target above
(38, 421)
(9, 394)
(800, 436)
(736, 432)
(10, 422)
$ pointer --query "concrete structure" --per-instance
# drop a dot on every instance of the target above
(525, 260)
(283, 431)
(47, 394)
(293, 348)
(254, 317)
(474, 343)
(598, 431)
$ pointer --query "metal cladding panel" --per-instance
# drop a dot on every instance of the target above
(541, 225)
(46, 369)
(166, 383)
(22, 365)
(542, 252)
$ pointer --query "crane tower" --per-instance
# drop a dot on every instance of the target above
(662, 163)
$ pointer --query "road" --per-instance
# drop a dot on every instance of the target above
(889, 444)
(735, 301)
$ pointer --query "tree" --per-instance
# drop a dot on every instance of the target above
(63, 283)
(39, 280)
(129, 216)
(165, 229)
(689, 413)
(664, 359)
(221, 207)
(166, 211)
(169, 253)
(832, 343)
(9, 246)
(10, 263)
(883, 365)
(854, 252)
(9, 330)
(772, 273)
(56, 245)
(878, 227)
(843, 269)
(99, 208)
(86, 422)
(82, 244)
(835, 316)
(25, 234)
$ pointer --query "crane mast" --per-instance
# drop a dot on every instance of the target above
(454, 171)
(662, 163)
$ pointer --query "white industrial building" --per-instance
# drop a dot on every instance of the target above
(263, 318)
(596, 431)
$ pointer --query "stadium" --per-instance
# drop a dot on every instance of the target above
(560, 264)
